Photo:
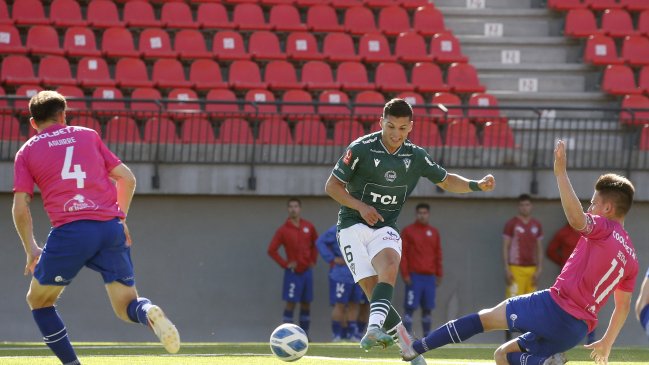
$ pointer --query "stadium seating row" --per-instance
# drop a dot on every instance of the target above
(615, 23)
(602, 50)
(229, 45)
(358, 19)
(632, 5)
(242, 75)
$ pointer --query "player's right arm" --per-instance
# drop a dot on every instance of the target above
(23, 221)
(273, 251)
(643, 298)
(571, 204)
(602, 348)
(125, 184)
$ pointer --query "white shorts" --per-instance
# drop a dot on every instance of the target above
(360, 243)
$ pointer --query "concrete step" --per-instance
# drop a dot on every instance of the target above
(552, 100)
(538, 77)
(525, 50)
(490, 4)
(503, 22)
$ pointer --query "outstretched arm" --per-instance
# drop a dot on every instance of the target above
(336, 190)
(23, 221)
(571, 205)
(643, 298)
(459, 184)
(602, 348)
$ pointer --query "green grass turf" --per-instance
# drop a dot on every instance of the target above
(259, 354)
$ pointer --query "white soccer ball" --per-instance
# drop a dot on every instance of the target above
(289, 342)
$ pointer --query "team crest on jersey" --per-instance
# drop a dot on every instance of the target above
(79, 202)
(406, 161)
(348, 157)
(429, 233)
(535, 229)
(305, 229)
(390, 176)
(376, 162)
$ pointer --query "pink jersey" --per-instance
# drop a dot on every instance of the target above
(603, 261)
(70, 165)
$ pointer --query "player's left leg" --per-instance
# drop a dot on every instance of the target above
(644, 319)
(428, 302)
(306, 295)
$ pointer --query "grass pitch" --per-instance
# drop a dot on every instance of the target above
(116, 353)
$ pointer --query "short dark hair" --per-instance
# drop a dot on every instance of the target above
(422, 206)
(618, 190)
(397, 108)
(294, 199)
(46, 105)
(524, 197)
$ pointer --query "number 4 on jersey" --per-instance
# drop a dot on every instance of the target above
(68, 173)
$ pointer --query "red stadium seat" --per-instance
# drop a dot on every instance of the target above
(103, 104)
(274, 131)
(490, 113)
(224, 101)
(177, 15)
(580, 23)
(564, 5)
(427, 78)
(394, 20)
(263, 102)
(359, 20)
(249, 17)
(374, 47)
(281, 75)
(10, 128)
(643, 23)
(414, 4)
(631, 114)
(122, 129)
(461, 133)
(4, 105)
(416, 101)
(334, 104)
(635, 50)
(353, 77)
(264, 45)
(463, 78)
(411, 48)
(241, 1)
(73, 92)
(148, 97)
(296, 104)
(286, 18)
(317, 75)
(88, 122)
(103, 14)
(600, 50)
(5, 18)
(18, 70)
(617, 23)
(339, 47)
(160, 130)
(277, 2)
(190, 44)
(311, 132)
(10, 42)
(445, 48)
(235, 131)
(54, 71)
(185, 101)
(451, 103)
(644, 138)
(66, 13)
(118, 43)
(93, 72)
(643, 82)
(380, 3)
(602, 4)
(29, 12)
(428, 21)
(343, 4)
(425, 134)
(140, 14)
(228, 46)
(245, 75)
(26, 91)
(309, 3)
(205, 75)
(322, 18)
(347, 131)
(198, 130)
(155, 43)
(498, 135)
(302, 46)
(213, 16)
(368, 106)
(43, 40)
(619, 80)
(80, 42)
(132, 73)
(169, 74)
(391, 77)
(635, 5)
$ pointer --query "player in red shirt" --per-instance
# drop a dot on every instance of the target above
(298, 237)
(421, 267)
(562, 245)
(75, 172)
(604, 263)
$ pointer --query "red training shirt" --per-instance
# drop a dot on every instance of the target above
(562, 245)
(524, 236)
(421, 250)
(299, 245)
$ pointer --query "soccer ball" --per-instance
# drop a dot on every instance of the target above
(289, 342)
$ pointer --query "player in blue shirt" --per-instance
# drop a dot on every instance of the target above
(343, 292)
(642, 304)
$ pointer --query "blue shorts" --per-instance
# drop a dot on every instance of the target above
(420, 292)
(99, 245)
(298, 287)
(341, 292)
(644, 319)
(547, 329)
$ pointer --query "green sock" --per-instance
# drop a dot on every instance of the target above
(380, 304)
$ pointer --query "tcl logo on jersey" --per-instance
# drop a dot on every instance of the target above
(384, 199)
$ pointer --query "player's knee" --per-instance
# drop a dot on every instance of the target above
(500, 356)
(37, 301)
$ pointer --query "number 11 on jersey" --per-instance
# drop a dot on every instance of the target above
(68, 173)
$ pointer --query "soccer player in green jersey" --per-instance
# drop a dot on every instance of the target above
(371, 181)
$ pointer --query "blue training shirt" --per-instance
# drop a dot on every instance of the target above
(327, 244)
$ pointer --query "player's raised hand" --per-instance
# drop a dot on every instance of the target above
(600, 352)
(487, 183)
(370, 215)
(32, 259)
(560, 157)
(129, 241)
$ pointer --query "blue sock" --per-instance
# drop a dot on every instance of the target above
(337, 329)
(305, 320)
(288, 316)
(362, 326)
(452, 332)
(644, 318)
(55, 335)
(137, 309)
(352, 329)
(426, 321)
(522, 358)
(407, 320)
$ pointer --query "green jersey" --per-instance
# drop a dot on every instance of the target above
(382, 179)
